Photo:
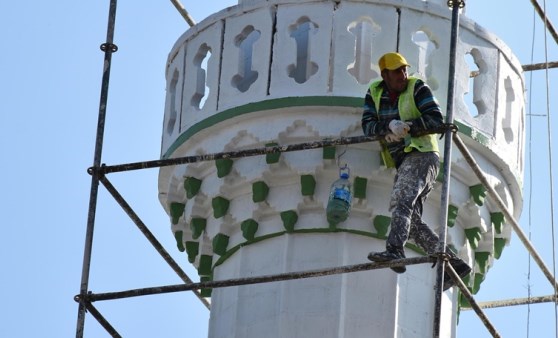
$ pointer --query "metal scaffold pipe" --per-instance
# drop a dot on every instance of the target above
(515, 302)
(469, 296)
(446, 169)
(178, 5)
(256, 280)
(101, 319)
(150, 237)
(329, 142)
(235, 154)
(545, 19)
(108, 48)
(540, 66)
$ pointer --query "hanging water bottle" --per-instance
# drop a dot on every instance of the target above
(340, 197)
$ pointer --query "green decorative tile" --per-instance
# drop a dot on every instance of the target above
(205, 266)
(272, 157)
(206, 292)
(220, 243)
(328, 153)
(179, 243)
(220, 206)
(192, 186)
(499, 245)
(224, 166)
(176, 211)
(497, 219)
(482, 260)
(259, 191)
(197, 226)
(289, 218)
(359, 187)
(478, 194)
(479, 278)
(308, 185)
(474, 236)
(452, 215)
(463, 302)
(192, 250)
(381, 224)
(249, 228)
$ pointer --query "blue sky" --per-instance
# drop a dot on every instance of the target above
(51, 69)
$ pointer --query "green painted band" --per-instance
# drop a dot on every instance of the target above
(302, 101)
(286, 102)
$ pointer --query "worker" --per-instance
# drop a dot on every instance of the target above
(401, 109)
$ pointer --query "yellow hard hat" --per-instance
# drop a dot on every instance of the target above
(392, 61)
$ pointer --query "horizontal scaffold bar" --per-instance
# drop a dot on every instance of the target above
(234, 154)
(515, 302)
(328, 142)
(92, 297)
(540, 66)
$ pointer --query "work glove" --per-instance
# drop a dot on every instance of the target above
(391, 137)
(399, 128)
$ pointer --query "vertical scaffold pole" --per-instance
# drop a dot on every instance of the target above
(108, 48)
(455, 5)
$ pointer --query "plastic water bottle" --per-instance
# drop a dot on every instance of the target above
(340, 197)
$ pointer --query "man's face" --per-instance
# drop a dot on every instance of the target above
(396, 80)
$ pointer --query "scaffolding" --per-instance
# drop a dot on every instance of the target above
(99, 172)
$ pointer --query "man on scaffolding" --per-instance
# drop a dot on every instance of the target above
(402, 110)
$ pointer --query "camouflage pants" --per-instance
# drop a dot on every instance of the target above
(414, 180)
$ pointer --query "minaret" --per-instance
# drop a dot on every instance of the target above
(292, 71)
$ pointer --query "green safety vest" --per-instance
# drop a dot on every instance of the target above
(407, 111)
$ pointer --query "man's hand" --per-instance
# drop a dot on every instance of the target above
(399, 128)
(391, 137)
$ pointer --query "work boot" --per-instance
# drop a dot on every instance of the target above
(387, 256)
(462, 269)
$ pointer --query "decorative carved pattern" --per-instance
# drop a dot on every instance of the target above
(302, 32)
(246, 76)
(361, 69)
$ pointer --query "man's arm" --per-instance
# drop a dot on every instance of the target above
(431, 113)
(371, 125)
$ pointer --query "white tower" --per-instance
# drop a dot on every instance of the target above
(292, 71)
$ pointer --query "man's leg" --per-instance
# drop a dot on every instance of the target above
(408, 185)
(427, 240)
(423, 235)
(414, 181)
(427, 171)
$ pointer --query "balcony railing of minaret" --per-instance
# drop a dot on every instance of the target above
(275, 52)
